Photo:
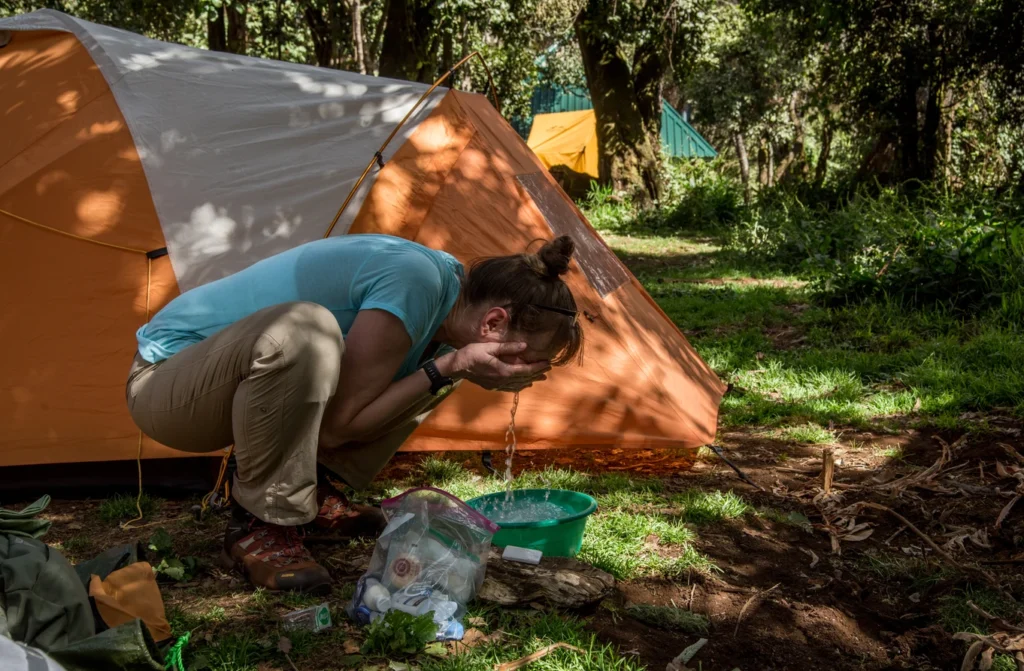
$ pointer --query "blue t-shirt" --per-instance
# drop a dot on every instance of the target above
(345, 274)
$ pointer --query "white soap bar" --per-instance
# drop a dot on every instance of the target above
(522, 555)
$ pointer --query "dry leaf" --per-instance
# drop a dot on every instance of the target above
(284, 644)
(814, 557)
(477, 622)
(264, 666)
(917, 405)
(859, 536)
(1006, 511)
(350, 646)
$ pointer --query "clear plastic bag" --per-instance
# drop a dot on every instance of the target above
(431, 557)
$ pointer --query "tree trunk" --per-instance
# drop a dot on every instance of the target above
(467, 80)
(216, 31)
(949, 106)
(741, 156)
(410, 41)
(236, 27)
(795, 162)
(357, 36)
(821, 169)
(448, 54)
(373, 57)
(762, 162)
(771, 162)
(628, 160)
(323, 37)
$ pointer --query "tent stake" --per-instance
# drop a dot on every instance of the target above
(743, 476)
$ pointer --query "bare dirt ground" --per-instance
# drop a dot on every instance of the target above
(811, 581)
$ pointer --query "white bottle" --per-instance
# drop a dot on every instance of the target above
(376, 596)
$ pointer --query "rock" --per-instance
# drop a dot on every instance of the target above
(557, 581)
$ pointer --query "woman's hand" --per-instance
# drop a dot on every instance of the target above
(494, 366)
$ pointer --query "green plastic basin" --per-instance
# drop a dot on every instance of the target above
(560, 537)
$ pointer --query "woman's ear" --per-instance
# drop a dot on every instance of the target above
(495, 325)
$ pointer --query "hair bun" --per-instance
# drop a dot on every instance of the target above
(556, 254)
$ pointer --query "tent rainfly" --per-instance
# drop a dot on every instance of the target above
(132, 170)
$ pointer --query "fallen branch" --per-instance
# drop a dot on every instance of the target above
(992, 580)
(533, 657)
(756, 595)
(998, 621)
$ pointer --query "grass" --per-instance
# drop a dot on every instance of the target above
(794, 364)
(122, 507)
(809, 434)
(706, 507)
(918, 572)
(956, 616)
(667, 617)
(434, 470)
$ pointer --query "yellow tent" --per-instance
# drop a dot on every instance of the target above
(566, 138)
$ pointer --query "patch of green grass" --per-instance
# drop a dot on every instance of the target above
(74, 546)
(956, 616)
(919, 572)
(122, 507)
(810, 434)
(438, 471)
(793, 363)
(527, 632)
(616, 541)
(296, 601)
(706, 507)
(232, 652)
(188, 619)
(793, 518)
(667, 617)
(894, 452)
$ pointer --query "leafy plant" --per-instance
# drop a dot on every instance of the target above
(399, 633)
(169, 565)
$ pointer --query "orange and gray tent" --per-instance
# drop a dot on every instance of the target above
(133, 170)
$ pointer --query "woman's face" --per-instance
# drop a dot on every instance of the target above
(494, 327)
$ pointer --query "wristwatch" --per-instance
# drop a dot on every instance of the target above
(439, 384)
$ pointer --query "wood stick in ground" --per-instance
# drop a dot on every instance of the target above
(942, 553)
(757, 595)
(533, 657)
(828, 469)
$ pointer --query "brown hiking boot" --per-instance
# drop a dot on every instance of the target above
(340, 517)
(272, 556)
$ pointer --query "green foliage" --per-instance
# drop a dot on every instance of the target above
(165, 562)
(810, 433)
(706, 507)
(122, 507)
(671, 618)
(697, 197)
(399, 633)
(438, 471)
(963, 250)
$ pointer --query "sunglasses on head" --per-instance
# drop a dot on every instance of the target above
(562, 311)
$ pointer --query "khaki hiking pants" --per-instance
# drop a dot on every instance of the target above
(262, 384)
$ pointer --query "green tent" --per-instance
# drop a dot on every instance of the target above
(681, 140)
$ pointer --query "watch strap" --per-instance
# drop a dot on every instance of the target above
(438, 381)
